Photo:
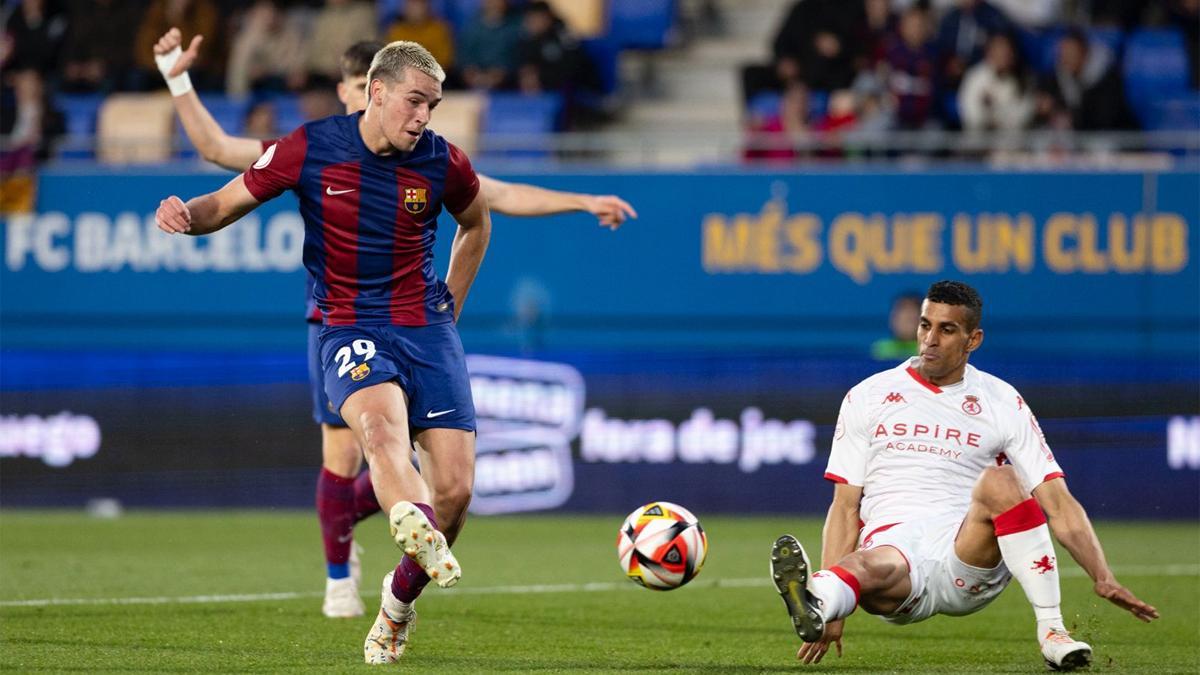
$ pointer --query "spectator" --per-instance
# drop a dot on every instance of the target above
(962, 35)
(262, 122)
(37, 29)
(816, 45)
(841, 115)
(337, 25)
(28, 125)
(267, 52)
(903, 319)
(419, 24)
(95, 53)
(774, 137)
(1085, 86)
(191, 17)
(995, 94)
(908, 71)
(487, 52)
(549, 57)
(878, 21)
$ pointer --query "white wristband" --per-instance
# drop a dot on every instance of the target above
(181, 83)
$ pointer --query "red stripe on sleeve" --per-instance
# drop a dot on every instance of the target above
(835, 478)
(461, 182)
(1052, 476)
(1024, 516)
(339, 233)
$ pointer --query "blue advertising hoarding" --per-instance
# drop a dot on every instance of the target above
(1104, 261)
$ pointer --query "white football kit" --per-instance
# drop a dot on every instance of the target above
(917, 450)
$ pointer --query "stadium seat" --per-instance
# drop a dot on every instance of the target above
(585, 18)
(533, 118)
(288, 113)
(642, 24)
(459, 118)
(603, 53)
(389, 10)
(764, 105)
(1040, 48)
(135, 128)
(80, 111)
(1155, 63)
(1175, 112)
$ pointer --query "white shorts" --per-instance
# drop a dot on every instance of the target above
(941, 583)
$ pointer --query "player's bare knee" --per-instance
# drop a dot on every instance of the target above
(454, 499)
(999, 489)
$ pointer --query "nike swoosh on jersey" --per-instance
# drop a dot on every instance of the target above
(333, 193)
(431, 414)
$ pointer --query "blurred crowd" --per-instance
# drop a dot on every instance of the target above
(992, 66)
(270, 47)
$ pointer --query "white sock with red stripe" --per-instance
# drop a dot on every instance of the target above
(1028, 553)
(837, 590)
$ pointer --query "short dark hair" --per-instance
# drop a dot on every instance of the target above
(356, 60)
(957, 293)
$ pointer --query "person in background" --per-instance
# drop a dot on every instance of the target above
(337, 25)
(195, 17)
(267, 52)
(95, 53)
(902, 321)
(909, 71)
(419, 24)
(549, 57)
(487, 51)
(1085, 86)
(995, 94)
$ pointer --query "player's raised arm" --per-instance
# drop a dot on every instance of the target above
(207, 213)
(216, 146)
(521, 199)
(1073, 529)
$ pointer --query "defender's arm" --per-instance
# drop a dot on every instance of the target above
(1071, 527)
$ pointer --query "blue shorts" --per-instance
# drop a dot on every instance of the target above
(322, 411)
(426, 361)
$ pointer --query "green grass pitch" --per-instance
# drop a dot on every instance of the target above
(539, 594)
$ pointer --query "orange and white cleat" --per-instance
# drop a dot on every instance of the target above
(420, 541)
(389, 635)
(1062, 652)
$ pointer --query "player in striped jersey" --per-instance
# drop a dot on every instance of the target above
(345, 496)
(941, 475)
(371, 187)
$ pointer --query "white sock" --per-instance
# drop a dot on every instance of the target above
(837, 598)
(1029, 555)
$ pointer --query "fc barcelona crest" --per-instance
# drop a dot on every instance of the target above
(415, 199)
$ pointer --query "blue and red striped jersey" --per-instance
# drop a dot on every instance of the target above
(370, 221)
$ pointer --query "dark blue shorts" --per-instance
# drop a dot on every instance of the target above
(322, 412)
(426, 361)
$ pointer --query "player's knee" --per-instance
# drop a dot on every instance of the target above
(454, 499)
(999, 489)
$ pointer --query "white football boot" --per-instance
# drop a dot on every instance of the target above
(789, 571)
(1064, 653)
(341, 599)
(421, 542)
(389, 636)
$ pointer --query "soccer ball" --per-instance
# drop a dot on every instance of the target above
(661, 546)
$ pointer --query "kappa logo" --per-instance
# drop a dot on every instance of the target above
(894, 397)
(971, 405)
(415, 199)
(1046, 564)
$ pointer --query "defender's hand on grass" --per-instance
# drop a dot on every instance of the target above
(813, 652)
(173, 216)
(1123, 598)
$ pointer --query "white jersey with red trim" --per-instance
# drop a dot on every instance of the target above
(917, 448)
